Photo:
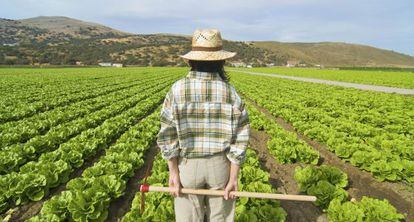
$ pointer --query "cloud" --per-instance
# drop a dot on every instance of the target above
(381, 23)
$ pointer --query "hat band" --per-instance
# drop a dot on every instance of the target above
(207, 49)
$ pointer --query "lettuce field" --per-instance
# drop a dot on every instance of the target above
(76, 142)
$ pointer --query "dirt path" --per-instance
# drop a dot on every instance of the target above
(385, 89)
(281, 177)
(119, 207)
(361, 183)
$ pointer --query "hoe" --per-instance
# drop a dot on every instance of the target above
(147, 188)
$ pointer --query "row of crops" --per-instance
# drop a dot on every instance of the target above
(373, 131)
(159, 207)
(42, 150)
(403, 79)
(14, 156)
(87, 198)
(74, 138)
(327, 183)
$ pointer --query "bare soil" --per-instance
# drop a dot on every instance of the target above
(119, 207)
(361, 183)
(281, 177)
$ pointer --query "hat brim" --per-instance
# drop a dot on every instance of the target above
(208, 56)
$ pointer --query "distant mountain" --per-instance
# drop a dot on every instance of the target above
(52, 29)
(72, 27)
(62, 40)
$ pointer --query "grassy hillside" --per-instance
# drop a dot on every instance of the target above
(338, 54)
(61, 40)
(70, 26)
(65, 41)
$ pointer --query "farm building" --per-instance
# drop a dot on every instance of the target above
(11, 44)
(118, 65)
(108, 64)
(105, 64)
(292, 63)
(238, 64)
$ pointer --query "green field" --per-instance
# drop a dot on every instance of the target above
(400, 79)
(74, 143)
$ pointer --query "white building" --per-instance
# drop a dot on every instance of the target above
(292, 63)
(118, 65)
(108, 64)
(105, 64)
(11, 44)
(238, 64)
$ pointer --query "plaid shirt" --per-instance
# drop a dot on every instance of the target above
(203, 115)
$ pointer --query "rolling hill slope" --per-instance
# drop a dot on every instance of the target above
(62, 40)
(339, 54)
(70, 26)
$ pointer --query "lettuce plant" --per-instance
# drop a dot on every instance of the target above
(366, 210)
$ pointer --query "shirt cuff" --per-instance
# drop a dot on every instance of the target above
(236, 155)
(171, 153)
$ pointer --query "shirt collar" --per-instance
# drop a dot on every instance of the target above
(204, 75)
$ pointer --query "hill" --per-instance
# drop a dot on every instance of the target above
(339, 54)
(62, 40)
(70, 26)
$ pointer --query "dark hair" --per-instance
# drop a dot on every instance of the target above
(210, 66)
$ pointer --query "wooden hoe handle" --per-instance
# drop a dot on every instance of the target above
(146, 188)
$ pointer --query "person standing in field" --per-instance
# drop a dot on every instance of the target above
(204, 132)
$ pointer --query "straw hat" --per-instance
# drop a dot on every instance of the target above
(207, 46)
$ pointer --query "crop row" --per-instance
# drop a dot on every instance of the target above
(373, 131)
(87, 197)
(38, 89)
(159, 206)
(325, 182)
(53, 168)
(39, 84)
(328, 184)
(383, 78)
(11, 158)
(19, 111)
(48, 84)
(31, 77)
(41, 90)
(283, 145)
(23, 130)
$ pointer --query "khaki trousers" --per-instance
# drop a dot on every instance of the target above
(211, 172)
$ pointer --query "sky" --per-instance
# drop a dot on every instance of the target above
(387, 24)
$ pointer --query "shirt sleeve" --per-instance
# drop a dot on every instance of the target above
(167, 138)
(237, 152)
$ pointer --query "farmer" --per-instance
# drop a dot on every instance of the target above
(204, 132)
